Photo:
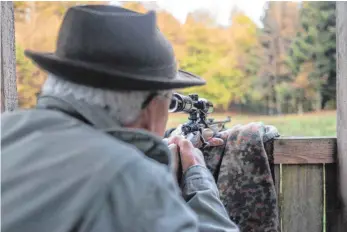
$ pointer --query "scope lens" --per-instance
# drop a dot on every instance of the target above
(173, 105)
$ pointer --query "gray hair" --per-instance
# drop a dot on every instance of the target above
(123, 106)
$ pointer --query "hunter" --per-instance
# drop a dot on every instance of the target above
(90, 155)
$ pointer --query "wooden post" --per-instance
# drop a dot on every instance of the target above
(9, 99)
(341, 48)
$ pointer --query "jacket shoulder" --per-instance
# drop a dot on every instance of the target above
(63, 136)
(48, 157)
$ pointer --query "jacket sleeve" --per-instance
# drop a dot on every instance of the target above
(146, 198)
(201, 194)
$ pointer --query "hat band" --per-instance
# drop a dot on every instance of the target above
(163, 71)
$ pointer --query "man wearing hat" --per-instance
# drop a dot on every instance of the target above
(89, 156)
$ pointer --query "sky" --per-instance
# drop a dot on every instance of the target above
(220, 8)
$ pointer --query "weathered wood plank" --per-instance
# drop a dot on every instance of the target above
(331, 198)
(302, 191)
(341, 100)
(9, 99)
(304, 150)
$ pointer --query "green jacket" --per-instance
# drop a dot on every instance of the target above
(67, 166)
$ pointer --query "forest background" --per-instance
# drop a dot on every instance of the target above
(282, 72)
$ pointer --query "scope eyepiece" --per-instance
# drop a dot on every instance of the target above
(180, 103)
(189, 104)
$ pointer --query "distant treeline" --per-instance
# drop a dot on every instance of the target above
(287, 66)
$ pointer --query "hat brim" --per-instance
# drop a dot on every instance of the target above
(97, 76)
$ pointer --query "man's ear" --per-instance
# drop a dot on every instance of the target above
(153, 106)
(148, 114)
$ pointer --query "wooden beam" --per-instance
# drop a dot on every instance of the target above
(341, 98)
(9, 99)
(298, 150)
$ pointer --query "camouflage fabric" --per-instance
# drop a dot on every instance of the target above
(242, 172)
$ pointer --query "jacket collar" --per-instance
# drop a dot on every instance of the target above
(90, 114)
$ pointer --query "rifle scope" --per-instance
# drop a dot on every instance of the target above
(189, 104)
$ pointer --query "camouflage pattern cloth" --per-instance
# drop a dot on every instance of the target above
(242, 172)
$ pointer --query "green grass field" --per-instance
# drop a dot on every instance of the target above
(311, 124)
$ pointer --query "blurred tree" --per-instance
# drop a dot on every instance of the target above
(280, 26)
(201, 50)
(316, 44)
(224, 56)
(243, 36)
(287, 66)
(29, 79)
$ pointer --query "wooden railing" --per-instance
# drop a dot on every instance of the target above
(305, 175)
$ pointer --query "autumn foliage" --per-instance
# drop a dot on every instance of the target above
(251, 68)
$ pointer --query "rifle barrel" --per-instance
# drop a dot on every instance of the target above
(218, 122)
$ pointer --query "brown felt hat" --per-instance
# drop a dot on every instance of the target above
(110, 47)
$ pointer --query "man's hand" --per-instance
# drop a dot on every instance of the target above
(174, 135)
(190, 155)
(207, 134)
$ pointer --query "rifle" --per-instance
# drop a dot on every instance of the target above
(198, 110)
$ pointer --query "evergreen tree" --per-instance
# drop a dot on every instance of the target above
(316, 44)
